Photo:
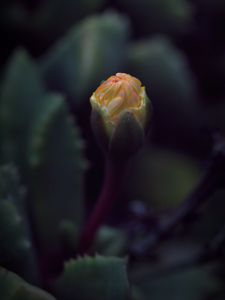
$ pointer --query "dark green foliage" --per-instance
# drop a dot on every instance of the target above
(22, 96)
(57, 167)
(53, 55)
(155, 168)
(16, 251)
(170, 86)
(10, 188)
(159, 16)
(37, 132)
(12, 287)
(177, 286)
(13, 244)
(93, 278)
(89, 53)
(110, 241)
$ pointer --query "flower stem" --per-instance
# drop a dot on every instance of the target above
(114, 173)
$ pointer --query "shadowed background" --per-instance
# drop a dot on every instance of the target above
(53, 55)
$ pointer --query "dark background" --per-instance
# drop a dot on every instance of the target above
(177, 49)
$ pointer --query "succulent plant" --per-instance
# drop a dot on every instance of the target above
(156, 230)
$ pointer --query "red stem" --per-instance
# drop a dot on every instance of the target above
(109, 194)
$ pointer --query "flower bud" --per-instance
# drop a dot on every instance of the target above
(120, 111)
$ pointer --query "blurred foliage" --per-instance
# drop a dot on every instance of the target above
(161, 178)
(177, 286)
(93, 278)
(86, 56)
(171, 87)
(12, 287)
(159, 16)
(16, 251)
(110, 241)
(34, 125)
(53, 54)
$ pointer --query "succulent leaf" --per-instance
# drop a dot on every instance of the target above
(12, 287)
(86, 55)
(57, 167)
(93, 278)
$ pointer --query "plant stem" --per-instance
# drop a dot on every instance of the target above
(114, 173)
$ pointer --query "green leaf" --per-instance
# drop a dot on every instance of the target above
(15, 247)
(10, 188)
(165, 72)
(21, 96)
(16, 251)
(194, 284)
(57, 167)
(38, 135)
(110, 241)
(91, 51)
(12, 287)
(95, 278)
(159, 16)
(162, 178)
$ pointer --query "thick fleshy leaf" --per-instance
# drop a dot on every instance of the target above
(159, 16)
(37, 133)
(21, 97)
(195, 284)
(110, 241)
(57, 164)
(165, 72)
(92, 51)
(12, 287)
(93, 278)
(16, 251)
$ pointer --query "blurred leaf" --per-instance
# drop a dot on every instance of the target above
(110, 241)
(55, 16)
(20, 100)
(38, 135)
(95, 278)
(159, 16)
(69, 236)
(161, 178)
(57, 164)
(170, 85)
(192, 284)
(90, 52)
(16, 252)
(12, 287)
(137, 294)
(10, 188)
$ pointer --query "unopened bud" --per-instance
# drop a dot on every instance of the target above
(120, 113)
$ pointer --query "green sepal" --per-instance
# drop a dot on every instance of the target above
(99, 128)
(127, 137)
